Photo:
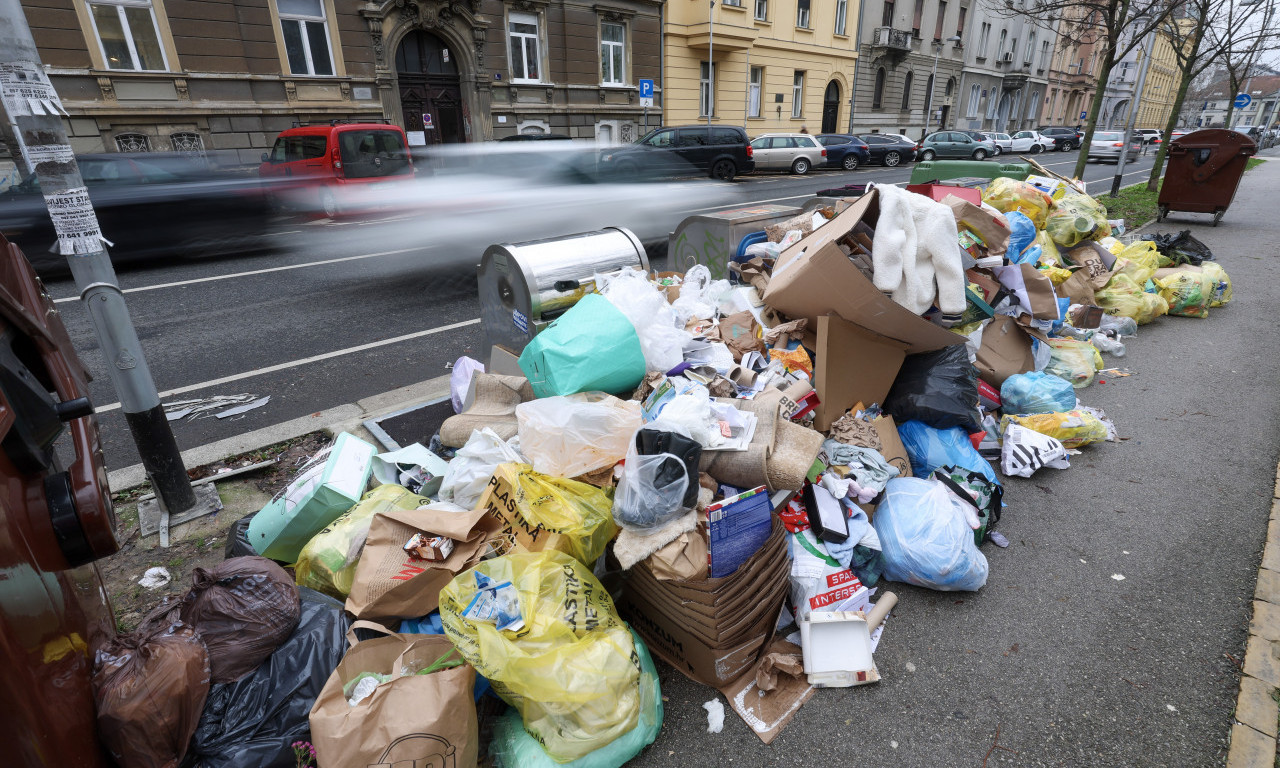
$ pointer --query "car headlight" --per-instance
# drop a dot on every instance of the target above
(607, 158)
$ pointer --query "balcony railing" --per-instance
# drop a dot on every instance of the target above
(893, 39)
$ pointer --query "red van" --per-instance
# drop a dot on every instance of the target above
(328, 167)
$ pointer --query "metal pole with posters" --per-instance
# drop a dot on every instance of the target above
(1127, 127)
(32, 105)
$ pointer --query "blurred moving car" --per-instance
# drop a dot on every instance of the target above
(330, 166)
(794, 152)
(1064, 139)
(1106, 145)
(844, 150)
(954, 144)
(54, 522)
(723, 152)
(148, 205)
(1149, 135)
(889, 149)
(1031, 142)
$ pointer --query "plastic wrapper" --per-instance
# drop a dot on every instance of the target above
(513, 747)
(938, 388)
(572, 672)
(1122, 296)
(651, 491)
(574, 435)
(1074, 360)
(460, 380)
(1048, 248)
(1036, 392)
(1057, 275)
(1142, 257)
(253, 721)
(1071, 428)
(1077, 217)
(1022, 232)
(926, 539)
(655, 322)
(1189, 293)
(1006, 194)
(1221, 283)
(238, 544)
(328, 562)
(149, 689)
(1024, 451)
(580, 513)
(472, 466)
(929, 449)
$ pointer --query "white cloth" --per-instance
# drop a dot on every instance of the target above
(916, 254)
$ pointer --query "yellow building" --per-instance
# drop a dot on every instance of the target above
(1161, 87)
(768, 65)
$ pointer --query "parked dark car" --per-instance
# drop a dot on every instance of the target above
(723, 152)
(148, 206)
(1064, 138)
(537, 137)
(845, 150)
(889, 149)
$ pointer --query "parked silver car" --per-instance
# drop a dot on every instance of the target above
(796, 152)
(1106, 145)
(1003, 142)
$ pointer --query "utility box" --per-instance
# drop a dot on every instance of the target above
(711, 239)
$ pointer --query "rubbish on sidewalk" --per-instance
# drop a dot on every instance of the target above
(578, 434)
(715, 716)
(1189, 294)
(937, 388)
(926, 539)
(736, 529)
(837, 649)
(770, 695)
(493, 406)
(1072, 428)
(154, 578)
(413, 467)
(1037, 392)
(461, 374)
(1024, 451)
(592, 347)
(242, 409)
(467, 477)
(542, 512)
(1074, 361)
(425, 547)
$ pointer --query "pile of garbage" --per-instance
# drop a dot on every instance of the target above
(721, 475)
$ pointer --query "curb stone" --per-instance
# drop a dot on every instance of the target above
(1255, 726)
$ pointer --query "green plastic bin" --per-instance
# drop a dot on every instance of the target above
(942, 170)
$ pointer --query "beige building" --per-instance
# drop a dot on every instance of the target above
(768, 65)
(1160, 89)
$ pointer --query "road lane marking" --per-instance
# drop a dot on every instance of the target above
(303, 361)
(231, 275)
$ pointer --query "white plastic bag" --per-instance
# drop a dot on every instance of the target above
(925, 538)
(661, 341)
(689, 413)
(460, 380)
(473, 465)
(568, 436)
(1025, 450)
(650, 492)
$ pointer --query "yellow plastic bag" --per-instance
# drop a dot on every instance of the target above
(1005, 194)
(1057, 275)
(1189, 293)
(1072, 428)
(1122, 296)
(1143, 257)
(1048, 248)
(1074, 360)
(1077, 217)
(328, 562)
(1222, 283)
(543, 512)
(571, 671)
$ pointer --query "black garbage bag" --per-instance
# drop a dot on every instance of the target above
(1182, 248)
(252, 721)
(238, 538)
(937, 388)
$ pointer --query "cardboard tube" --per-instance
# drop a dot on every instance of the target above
(882, 607)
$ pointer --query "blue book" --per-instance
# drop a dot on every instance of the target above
(736, 529)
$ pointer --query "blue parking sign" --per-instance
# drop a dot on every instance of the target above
(646, 89)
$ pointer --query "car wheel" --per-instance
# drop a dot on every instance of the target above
(329, 204)
(724, 170)
(979, 154)
(1036, 149)
(891, 159)
(800, 166)
(928, 155)
(850, 162)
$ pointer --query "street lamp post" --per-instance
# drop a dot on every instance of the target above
(933, 81)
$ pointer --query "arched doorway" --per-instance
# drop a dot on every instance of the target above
(831, 107)
(430, 90)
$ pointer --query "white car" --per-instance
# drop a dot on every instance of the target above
(1003, 142)
(1032, 142)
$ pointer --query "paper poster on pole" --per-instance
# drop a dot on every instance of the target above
(75, 222)
(50, 153)
(26, 90)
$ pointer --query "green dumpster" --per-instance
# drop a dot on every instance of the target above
(941, 170)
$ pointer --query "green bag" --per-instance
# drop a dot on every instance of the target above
(591, 348)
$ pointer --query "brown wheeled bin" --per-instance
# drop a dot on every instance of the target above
(1203, 172)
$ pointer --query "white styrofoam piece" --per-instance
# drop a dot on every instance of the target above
(836, 641)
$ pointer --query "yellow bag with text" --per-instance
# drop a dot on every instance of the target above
(1222, 283)
(1072, 428)
(570, 669)
(1005, 194)
(1048, 248)
(1189, 293)
(1142, 253)
(1077, 217)
(1122, 296)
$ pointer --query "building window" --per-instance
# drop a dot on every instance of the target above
(1053, 104)
(128, 34)
(802, 14)
(916, 18)
(1031, 49)
(187, 143)
(842, 16)
(877, 96)
(960, 22)
(526, 61)
(975, 96)
(753, 92)
(951, 85)
(906, 91)
(1044, 55)
(992, 104)
(132, 142)
(762, 10)
(1004, 37)
(942, 14)
(797, 94)
(1033, 106)
(612, 60)
(306, 36)
(984, 39)
(706, 96)
(886, 15)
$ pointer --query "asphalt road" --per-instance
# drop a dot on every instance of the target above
(342, 311)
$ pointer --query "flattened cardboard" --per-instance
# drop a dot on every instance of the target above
(739, 625)
(853, 365)
(814, 278)
(1044, 300)
(767, 712)
(892, 449)
(743, 599)
(994, 234)
(1005, 351)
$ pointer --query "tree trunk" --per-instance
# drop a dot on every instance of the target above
(1108, 61)
(1153, 181)
(1231, 100)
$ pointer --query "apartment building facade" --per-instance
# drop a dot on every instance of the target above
(1006, 68)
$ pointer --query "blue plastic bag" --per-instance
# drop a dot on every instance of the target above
(929, 448)
(925, 538)
(1022, 232)
(1036, 392)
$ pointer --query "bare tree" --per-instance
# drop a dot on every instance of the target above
(1115, 27)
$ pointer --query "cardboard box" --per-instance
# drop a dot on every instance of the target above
(1005, 351)
(854, 365)
(814, 277)
(892, 448)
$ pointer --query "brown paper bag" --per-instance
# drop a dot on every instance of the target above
(1005, 351)
(740, 332)
(1077, 288)
(1093, 258)
(681, 560)
(992, 232)
(412, 719)
(390, 583)
(1044, 301)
